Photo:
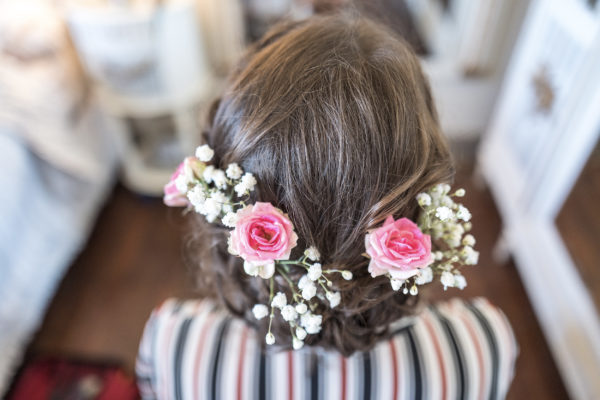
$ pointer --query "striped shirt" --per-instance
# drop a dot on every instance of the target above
(453, 350)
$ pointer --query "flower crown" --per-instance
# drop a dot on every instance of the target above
(263, 236)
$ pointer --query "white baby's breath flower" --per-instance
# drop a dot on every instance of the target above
(314, 272)
(246, 185)
(219, 197)
(297, 344)
(199, 208)
(446, 201)
(470, 256)
(468, 226)
(181, 183)
(266, 270)
(443, 213)
(424, 199)
(405, 290)
(204, 153)
(468, 240)
(197, 197)
(231, 250)
(460, 193)
(438, 255)
(452, 239)
(460, 282)
(227, 208)
(303, 281)
(414, 290)
(447, 279)
(208, 173)
(219, 179)
(270, 338)
(435, 193)
(250, 268)
(312, 253)
(301, 308)
(463, 213)
(289, 313)
(347, 275)
(311, 322)
(396, 284)
(279, 301)
(309, 291)
(334, 298)
(457, 229)
(437, 229)
(234, 171)
(240, 189)
(249, 181)
(212, 207)
(229, 220)
(300, 333)
(425, 276)
(445, 188)
(260, 311)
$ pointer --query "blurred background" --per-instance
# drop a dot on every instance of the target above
(100, 100)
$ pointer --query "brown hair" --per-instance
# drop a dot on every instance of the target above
(335, 119)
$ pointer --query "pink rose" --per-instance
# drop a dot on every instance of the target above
(176, 189)
(398, 248)
(262, 232)
(175, 196)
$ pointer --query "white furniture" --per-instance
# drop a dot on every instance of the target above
(469, 44)
(544, 127)
(156, 60)
(58, 163)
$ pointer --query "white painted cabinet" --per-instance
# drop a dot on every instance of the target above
(544, 126)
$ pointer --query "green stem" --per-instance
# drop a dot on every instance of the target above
(323, 286)
(272, 314)
(290, 283)
(289, 262)
(292, 331)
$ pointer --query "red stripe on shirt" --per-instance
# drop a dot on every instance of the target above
(438, 352)
(343, 375)
(240, 376)
(394, 369)
(290, 359)
(478, 351)
(198, 359)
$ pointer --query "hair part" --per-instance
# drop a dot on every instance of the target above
(335, 119)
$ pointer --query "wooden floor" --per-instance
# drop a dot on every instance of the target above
(133, 261)
(579, 225)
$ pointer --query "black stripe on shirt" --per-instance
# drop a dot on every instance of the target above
(216, 359)
(313, 365)
(262, 375)
(181, 342)
(416, 363)
(367, 375)
(457, 356)
(322, 384)
(489, 334)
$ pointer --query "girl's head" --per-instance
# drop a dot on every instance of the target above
(334, 118)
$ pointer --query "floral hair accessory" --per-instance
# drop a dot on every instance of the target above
(264, 237)
(401, 249)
